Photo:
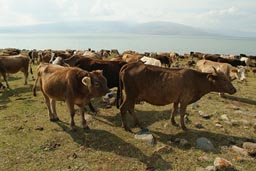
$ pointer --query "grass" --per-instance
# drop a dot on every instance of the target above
(29, 141)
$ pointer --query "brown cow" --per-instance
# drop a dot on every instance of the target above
(70, 84)
(131, 57)
(162, 86)
(14, 64)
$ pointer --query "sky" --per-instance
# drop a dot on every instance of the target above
(239, 15)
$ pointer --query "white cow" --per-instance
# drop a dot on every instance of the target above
(247, 61)
(151, 61)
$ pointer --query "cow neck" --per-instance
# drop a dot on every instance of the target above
(205, 86)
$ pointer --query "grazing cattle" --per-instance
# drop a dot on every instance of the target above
(165, 60)
(151, 61)
(35, 55)
(131, 57)
(248, 61)
(197, 55)
(59, 61)
(230, 72)
(162, 86)
(46, 56)
(254, 71)
(14, 64)
(233, 62)
(114, 52)
(70, 84)
(110, 69)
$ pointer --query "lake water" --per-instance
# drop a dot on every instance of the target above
(140, 43)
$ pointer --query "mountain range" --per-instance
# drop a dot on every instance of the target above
(151, 28)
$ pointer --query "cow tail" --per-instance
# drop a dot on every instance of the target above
(31, 71)
(119, 98)
(35, 83)
(34, 87)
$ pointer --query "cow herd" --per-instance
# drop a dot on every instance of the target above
(77, 76)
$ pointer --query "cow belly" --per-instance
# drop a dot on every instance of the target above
(158, 99)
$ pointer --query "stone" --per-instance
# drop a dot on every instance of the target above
(222, 164)
(234, 122)
(250, 147)
(218, 125)
(239, 150)
(200, 169)
(245, 122)
(203, 115)
(204, 144)
(39, 128)
(210, 168)
(145, 137)
(198, 125)
(88, 118)
(224, 117)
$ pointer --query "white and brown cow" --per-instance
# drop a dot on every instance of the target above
(70, 84)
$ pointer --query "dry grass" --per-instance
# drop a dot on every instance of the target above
(29, 141)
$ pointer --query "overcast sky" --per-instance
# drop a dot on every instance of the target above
(214, 14)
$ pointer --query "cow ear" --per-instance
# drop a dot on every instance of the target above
(211, 77)
(87, 82)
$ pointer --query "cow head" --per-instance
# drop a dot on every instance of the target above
(221, 83)
(238, 73)
(96, 83)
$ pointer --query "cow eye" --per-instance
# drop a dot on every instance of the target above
(96, 84)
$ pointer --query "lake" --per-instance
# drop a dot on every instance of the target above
(140, 43)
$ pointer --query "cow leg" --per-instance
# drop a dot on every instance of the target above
(5, 79)
(72, 114)
(183, 108)
(47, 102)
(136, 121)
(25, 72)
(123, 110)
(84, 124)
(174, 112)
(53, 107)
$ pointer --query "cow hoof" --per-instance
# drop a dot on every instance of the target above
(54, 119)
(128, 130)
(175, 124)
(86, 129)
(184, 128)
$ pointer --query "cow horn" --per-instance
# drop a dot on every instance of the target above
(87, 82)
(215, 70)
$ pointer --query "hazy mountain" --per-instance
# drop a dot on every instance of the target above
(156, 28)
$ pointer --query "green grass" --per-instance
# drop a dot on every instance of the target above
(107, 146)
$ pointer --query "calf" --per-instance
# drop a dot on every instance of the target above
(70, 84)
(162, 86)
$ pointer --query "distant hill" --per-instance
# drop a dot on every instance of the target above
(155, 28)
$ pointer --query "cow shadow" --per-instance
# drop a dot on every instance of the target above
(241, 99)
(16, 93)
(146, 118)
(219, 140)
(101, 140)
